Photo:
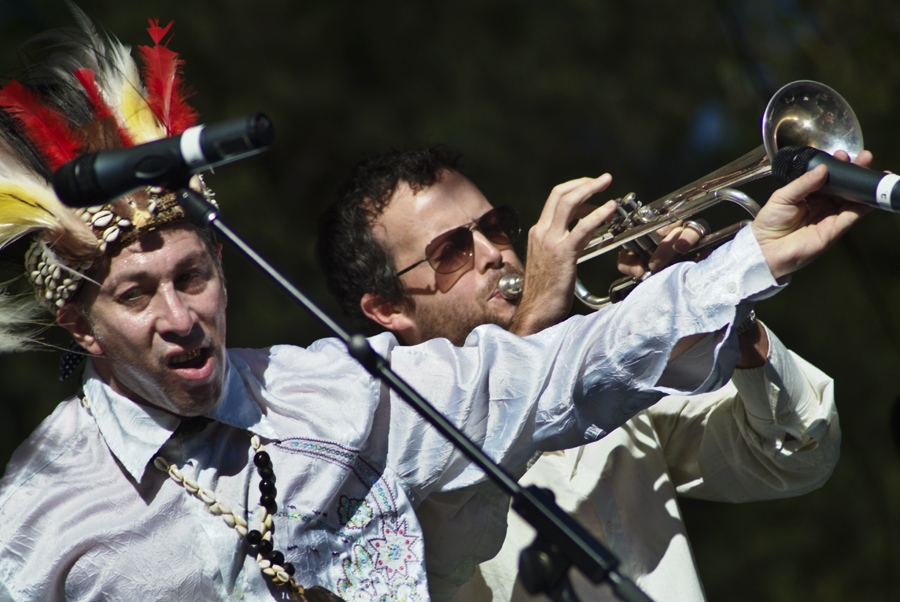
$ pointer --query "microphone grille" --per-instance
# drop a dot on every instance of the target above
(791, 162)
(75, 183)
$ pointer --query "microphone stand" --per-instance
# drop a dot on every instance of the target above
(561, 542)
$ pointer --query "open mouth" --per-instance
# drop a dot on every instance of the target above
(191, 359)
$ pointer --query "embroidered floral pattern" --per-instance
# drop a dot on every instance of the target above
(354, 514)
(382, 568)
(394, 549)
(364, 583)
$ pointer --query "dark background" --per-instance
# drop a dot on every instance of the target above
(534, 94)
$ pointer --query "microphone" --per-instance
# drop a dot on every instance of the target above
(97, 178)
(846, 180)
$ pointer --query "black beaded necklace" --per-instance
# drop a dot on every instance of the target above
(271, 561)
(264, 547)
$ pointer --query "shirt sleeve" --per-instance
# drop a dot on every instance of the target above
(563, 387)
(773, 432)
(571, 384)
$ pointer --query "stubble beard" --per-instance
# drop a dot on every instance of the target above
(454, 321)
(142, 386)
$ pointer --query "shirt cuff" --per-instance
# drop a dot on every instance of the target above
(785, 397)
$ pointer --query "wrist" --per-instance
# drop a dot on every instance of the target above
(753, 343)
(749, 322)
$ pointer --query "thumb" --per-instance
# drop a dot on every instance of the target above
(795, 192)
(783, 212)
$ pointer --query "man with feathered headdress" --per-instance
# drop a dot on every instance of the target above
(144, 485)
(92, 99)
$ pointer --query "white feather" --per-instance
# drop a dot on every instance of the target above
(19, 322)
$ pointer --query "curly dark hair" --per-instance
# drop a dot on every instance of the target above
(352, 259)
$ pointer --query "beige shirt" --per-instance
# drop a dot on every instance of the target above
(727, 445)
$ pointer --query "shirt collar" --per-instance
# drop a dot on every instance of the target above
(132, 431)
(135, 432)
(239, 406)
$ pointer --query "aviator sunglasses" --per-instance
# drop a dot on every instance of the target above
(451, 250)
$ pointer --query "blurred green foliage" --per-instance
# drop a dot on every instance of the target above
(533, 94)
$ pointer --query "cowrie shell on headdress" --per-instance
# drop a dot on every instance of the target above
(102, 219)
(111, 234)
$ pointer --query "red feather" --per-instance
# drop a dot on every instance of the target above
(45, 128)
(156, 32)
(101, 109)
(86, 77)
(167, 93)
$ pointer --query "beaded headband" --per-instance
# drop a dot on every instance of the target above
(88, 97)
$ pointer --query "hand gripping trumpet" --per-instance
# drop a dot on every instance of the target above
(802, 113)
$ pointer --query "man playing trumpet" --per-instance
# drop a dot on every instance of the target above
(771, 432)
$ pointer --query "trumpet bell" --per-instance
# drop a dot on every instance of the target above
(802, 113)
(808, 113)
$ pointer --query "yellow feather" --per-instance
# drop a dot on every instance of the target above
(126, 95)
(26, 208)
(139, 118)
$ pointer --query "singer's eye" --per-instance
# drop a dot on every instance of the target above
(193, 281)
(131, 295)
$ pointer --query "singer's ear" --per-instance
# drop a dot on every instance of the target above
(72, 318)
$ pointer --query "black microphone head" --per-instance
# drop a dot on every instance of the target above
(75, 183)
(236, 139)
(791, 162)
(261, 131)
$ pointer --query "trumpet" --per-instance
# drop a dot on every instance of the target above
(802, 113)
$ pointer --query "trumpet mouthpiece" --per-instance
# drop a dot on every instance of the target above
(511, 286)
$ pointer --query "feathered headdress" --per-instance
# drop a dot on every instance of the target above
(89, 97)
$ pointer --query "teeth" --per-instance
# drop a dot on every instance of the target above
(186, 357)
